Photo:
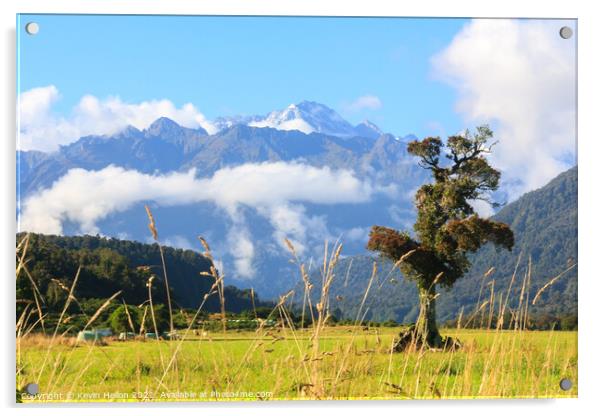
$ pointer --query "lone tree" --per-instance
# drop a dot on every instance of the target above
(447, 227)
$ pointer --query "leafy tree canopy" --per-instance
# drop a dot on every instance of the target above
(447, 227)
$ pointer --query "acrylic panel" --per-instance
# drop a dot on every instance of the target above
(295, 208)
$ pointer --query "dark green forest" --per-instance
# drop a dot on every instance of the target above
(545, 225)
(109, 265)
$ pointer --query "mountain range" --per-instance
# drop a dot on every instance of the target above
(376, 164)
(323, 137)
(238, 193)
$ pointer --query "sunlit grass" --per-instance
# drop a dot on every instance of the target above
(491, 364)
(288, 363)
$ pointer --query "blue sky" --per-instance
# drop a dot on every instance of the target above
(85, 74)
(247, 65)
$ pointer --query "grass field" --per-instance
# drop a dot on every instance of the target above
(287, 363)
(347, 363)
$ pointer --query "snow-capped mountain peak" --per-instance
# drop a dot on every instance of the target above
(291, 118)
(307, 117)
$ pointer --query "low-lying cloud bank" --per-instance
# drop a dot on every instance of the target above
(275, 190)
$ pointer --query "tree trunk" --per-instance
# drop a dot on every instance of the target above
(425, 333)
(426, 324)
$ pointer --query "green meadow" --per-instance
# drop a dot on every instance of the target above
(290, 364)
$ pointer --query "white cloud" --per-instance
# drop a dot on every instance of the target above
(365, 102)
(242, 250)
(178, 241)
(291, 221)
(356, 234)
(402, 216)
(274, 190)
(36, 103)
(41, 129)
(483, 208)
(268, 184)
(520, 77)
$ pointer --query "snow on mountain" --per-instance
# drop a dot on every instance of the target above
(306, 117)
(225, 122)
(368, 129)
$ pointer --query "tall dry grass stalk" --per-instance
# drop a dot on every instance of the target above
(153, 229)
(218, 280)
(307, 286)
(551, 282)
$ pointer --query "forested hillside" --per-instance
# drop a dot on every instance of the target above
(545, 227)
(109, 265)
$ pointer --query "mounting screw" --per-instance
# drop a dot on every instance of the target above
(566, 32)
(566, 384)
(32, 28)
(32, 388)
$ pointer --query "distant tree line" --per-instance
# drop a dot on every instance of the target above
(539, 321)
